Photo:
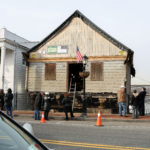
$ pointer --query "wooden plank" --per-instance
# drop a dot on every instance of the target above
(50, 71)
(97, 71)
(67, 59)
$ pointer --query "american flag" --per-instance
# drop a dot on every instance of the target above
(78, 55)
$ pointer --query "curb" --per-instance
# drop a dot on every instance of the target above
(78, 118)
(91, 117)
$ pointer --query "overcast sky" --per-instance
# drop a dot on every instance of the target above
(126, 20)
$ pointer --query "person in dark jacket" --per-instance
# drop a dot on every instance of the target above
(47, 104)
(37, 106)
(8, 102)
(135, 104)
(1, 99)
(67, 102)
(141, 97)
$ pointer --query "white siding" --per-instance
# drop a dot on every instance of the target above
(20, 70)
(9, 70)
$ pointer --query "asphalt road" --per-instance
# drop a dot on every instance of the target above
(84, 135)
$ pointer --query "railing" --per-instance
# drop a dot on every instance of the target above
(147, 104)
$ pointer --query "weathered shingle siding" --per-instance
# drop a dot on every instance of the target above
(77, 33)
(37, 80)
(128, 80)
(91, 43)
(114, 76)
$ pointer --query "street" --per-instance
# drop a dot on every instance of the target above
(84, 135)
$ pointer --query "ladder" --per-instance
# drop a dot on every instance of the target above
(72, 89)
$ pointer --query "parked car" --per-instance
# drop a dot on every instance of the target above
(15, 137)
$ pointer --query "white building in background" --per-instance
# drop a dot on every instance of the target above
(13, 66)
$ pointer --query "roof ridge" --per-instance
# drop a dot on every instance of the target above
(87, 21)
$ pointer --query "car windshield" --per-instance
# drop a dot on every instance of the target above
(14, 138)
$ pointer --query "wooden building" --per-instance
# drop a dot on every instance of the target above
(52, 62)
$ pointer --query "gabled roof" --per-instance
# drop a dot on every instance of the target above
(89, 23)
(94, 27)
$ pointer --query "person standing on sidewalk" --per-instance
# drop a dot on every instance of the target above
(47, 104)
(67, 102)
(135, 104)
(122, 101)
(141, 97)
(37, 106)
(1, 99)
(8, 102)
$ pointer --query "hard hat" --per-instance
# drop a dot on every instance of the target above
(46, 93)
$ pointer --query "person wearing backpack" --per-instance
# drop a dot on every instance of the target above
(8, 102)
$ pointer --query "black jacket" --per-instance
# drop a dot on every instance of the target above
(67, 102)
(1, 100)
(8, 99)
(135, 100)
(38, 101)
(141, 97)
(47, 102)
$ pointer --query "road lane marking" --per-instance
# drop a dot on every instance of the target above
(99, 146)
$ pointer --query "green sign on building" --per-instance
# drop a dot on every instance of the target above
(52, 50)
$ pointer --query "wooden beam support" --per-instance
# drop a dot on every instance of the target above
(68, 59)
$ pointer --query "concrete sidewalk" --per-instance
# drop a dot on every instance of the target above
(90, 117)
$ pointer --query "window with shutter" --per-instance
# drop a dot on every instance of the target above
(97, 71)
(50, 71)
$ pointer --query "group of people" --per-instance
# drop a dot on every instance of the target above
(6, 101)
(42, 99)
(45, 101)
(137, 102)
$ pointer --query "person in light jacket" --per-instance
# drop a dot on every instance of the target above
(122, 101)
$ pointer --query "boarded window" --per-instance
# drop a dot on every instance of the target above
(50, 71)
(97, 71)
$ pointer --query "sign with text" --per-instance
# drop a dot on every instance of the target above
(57, 49)
(52, 50)
(62, 49)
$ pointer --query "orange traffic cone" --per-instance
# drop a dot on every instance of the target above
(99, 121)
(42, 119)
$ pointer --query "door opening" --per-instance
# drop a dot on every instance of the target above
(74, 70)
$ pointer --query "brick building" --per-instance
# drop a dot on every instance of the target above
(52, 62)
